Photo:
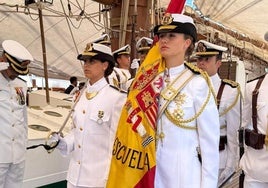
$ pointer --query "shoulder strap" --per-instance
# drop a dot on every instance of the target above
(255, 94)
(219, 94)
(171, 91)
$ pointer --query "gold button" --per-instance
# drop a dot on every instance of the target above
(81, 128)
(84, 111)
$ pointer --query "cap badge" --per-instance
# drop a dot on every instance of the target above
(127, 49)
(167, 19)
(106, 38)
(144, 43)
(100, 116)
(89, 47)
(201, 47)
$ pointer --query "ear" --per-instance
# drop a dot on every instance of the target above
(188, 42)
(105, 65)
(218, 63)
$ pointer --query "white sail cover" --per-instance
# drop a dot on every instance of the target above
(63, 41)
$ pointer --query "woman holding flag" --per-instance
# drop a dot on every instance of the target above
(170, 114)
(187, 135)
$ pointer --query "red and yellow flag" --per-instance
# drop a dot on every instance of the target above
(133, 155)
(175, 6)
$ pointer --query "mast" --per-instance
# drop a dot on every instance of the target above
(44, 52)
(129, 21)
(134, 24)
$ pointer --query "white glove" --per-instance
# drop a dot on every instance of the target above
(4, 66)
(62, 145)
(135, 64)
(225, 174)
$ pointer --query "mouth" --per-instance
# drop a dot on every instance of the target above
(164, 48)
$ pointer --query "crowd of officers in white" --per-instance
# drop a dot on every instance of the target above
(102, 98)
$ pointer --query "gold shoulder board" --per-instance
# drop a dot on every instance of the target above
(231, 83)
(118, 89)
(193, 68)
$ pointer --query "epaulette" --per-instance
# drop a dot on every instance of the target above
(21, 79)
(262, 76)
(118, 89)
(231, 83)
(193, 68)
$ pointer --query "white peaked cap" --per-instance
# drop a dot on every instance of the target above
(205, 48)
(149, 41)
(16, 50)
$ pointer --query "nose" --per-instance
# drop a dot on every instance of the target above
(201, 60)
(164, 39)
(200, 63)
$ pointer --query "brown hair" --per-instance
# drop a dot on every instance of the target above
(190, 49)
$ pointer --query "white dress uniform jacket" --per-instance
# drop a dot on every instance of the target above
(13, 116)
(229, 122)
(91, 139)
(119, 78)
(177, 164)
(255, 162)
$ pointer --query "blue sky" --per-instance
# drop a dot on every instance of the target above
(189, 2)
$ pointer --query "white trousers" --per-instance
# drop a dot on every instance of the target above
(249, 182)
(69, 185)
(11, 175)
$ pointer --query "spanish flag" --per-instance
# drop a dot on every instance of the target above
(133, 155)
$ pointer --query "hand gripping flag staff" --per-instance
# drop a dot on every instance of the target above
(50, 146)
(134, 150)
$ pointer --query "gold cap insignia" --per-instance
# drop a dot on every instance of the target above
(106, 38)
(167, 19)
(89, 47)
(201, 47)
(144, 43)
(127, 49)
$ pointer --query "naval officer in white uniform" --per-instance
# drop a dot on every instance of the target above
(143, 46)
(188, 122)
(228, 96)
(121, 74)
(254, 162)
(13, 117)
(95, 120)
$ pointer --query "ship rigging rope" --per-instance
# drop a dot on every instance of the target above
(70, 29)
(242, 9)
(87, 16)
(212, 7)
(210, 13)
(224, 8)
